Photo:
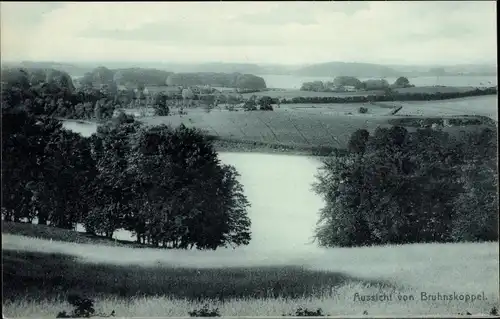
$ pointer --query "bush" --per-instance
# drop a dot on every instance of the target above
(265, 103)
(83, 308)
(363, 110)
(250, 104)
(205, 312)
(160, 105)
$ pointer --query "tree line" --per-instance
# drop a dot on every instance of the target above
(399, 187)
(340, 83)
(165, 185)
(390, 96)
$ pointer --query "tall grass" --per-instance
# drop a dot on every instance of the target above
(341, 304)
(155, 282)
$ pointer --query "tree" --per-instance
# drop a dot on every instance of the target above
(316, 86)
(45, 170)
(68, 175)
(402, 82)
(250, 104)
(347, 81)
(23, 142)
(112, 191)
(380, 84)
(398, 187)
(265, 103)
(250, 82)
(187, 94)
(186, 198)
(160, 105)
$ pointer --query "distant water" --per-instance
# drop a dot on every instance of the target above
(295, 82)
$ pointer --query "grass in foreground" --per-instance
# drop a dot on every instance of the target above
(340, 303)
(39, 274)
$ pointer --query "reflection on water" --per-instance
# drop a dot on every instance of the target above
(284, 208)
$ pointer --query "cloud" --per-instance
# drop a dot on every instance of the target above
(265, 32)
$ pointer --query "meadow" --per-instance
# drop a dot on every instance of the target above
(291, 93)
(154, 282)
(285, 126)
(480, 105)
(316, 125)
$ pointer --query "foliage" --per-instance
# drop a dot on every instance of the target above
(133, 77)
(45, 170)
(394, 96)
(63, 179)
(316, 86)
(250, 104)
(265, 103)
(362, 110)
(205, 207)
(358, 140)
(402, 82)
(375, 84)
(160, 105)
(347, 81)
(233, 80)
(98, 77)
(494, 311)
(398, 187)
(205, 312)
(249, 82)
(83, 308)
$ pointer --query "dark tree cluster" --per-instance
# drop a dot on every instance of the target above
(243, 82)
(396, 187)
(165, 185)
(55, 97)
(390, 95)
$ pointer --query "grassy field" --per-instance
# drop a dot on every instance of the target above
(61, 235)
(309, 125)
(305, 128)
(481, 105)
(291, 93)
(153, 282)
(285, 126)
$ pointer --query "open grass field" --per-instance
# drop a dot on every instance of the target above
(299, 128)
(291, 93)
(154, 282)
(306, 125)
(480, 105)
(316, 127)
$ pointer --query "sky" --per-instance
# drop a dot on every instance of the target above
(263, 32)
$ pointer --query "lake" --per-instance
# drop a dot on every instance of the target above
(276, 81)
(284, 208)
(295, 82)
